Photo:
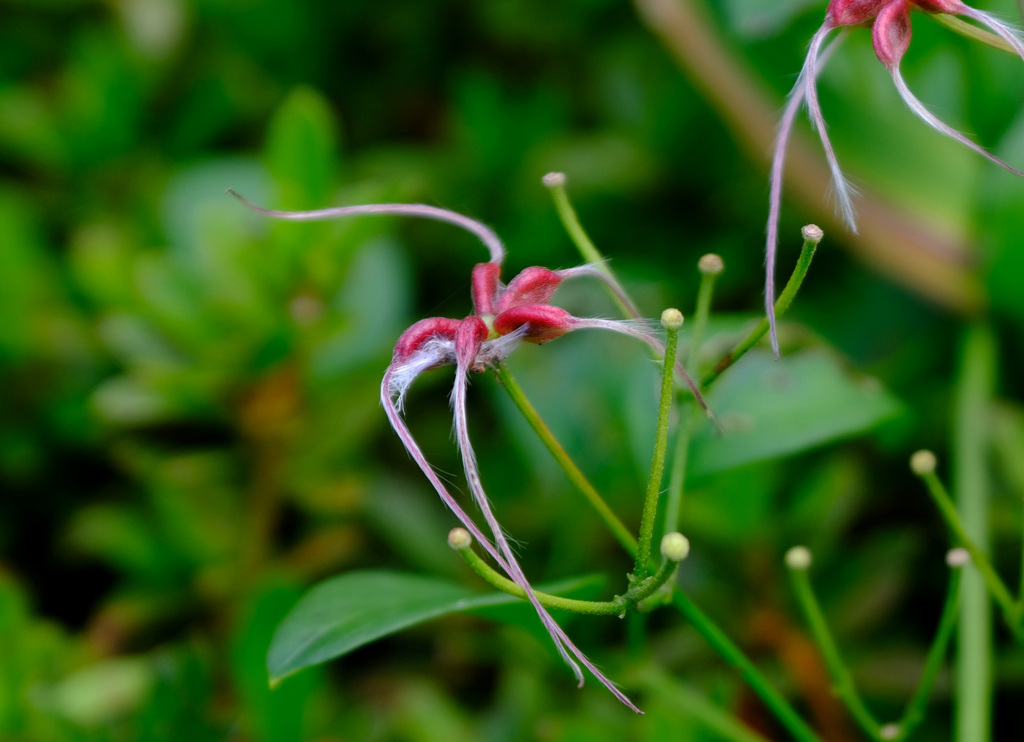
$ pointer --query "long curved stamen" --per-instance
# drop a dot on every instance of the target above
(569, 652)
(794, 102)
(922, 112)
(793, 105)
(484, 233)
(843, 190)
(414, 451)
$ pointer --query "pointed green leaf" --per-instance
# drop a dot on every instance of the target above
(774, 408)
(356, 608)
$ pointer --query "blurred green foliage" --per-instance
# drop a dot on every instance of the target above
(190, 432)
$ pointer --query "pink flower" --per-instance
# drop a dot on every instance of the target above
(504, 317)
(891, 32)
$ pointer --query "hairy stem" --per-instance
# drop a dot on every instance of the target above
(643, 552)
(677, 475)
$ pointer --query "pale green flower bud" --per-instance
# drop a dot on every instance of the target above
(890, 731)
(812, 233)
(459, 539)
(923, 462)
(675, 547)
(671, 319)
(799, 557)
(711, 264)
(554, 180)
(956, 558)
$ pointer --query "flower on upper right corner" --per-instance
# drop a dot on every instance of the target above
(890, 25)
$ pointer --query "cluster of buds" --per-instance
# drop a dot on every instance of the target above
(890, 33)
(503, 317)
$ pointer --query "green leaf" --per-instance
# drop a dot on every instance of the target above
(771, 409)
(356, 608)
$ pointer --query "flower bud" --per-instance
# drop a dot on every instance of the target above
(534, 285)
(420, 332)
(675, 546)
(799, 557)
(890, 33)
(923, 463)
(485, 287)
(957, 557)
(459, 539)
(890, 731)
(554, 180)
(711, 264)
(470, 336)
(671, 319)
(852, 12)
(543, 322)
(812, 233)
(953, 7)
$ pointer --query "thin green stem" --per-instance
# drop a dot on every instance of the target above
(617, 607)
(842, 680)
(710, 267)
(714, 636)
(996, 587)
(650, 512)
(812, 236)
(974, 33)
(914, 713)
(973, 685)
(576, 476)
(555, 183)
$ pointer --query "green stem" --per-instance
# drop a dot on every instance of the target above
(914, 713)
(617, 607)
(811, 240)
(842, 680)
(990, 579)
(733, 656)
(974, 33)
(677, 476)
(710, 267)
(576, 476)
(555, 183)
(973, 684)
(650, 512)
